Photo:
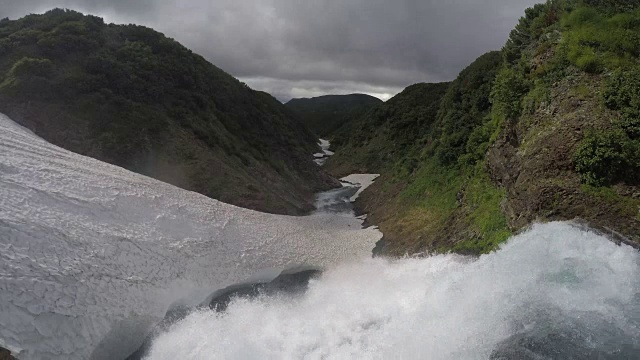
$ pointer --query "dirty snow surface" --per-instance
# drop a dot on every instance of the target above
(92, 255)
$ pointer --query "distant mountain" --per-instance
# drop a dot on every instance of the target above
(130, 96)
(324, 114)
(379, 137)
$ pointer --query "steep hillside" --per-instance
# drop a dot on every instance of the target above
(546, 129)
(129, 96)
(325, 114)
(570, 140)
(386, 133)
(428, 159)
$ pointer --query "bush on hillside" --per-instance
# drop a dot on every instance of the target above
(603, 158)
(509, 88)
(27, 66)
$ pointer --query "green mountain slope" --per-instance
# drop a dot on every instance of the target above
(129, 96)
(426, 164)
(544, 130)
(325, 114)
(388, 132)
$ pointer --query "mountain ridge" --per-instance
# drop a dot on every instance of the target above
(327, 113)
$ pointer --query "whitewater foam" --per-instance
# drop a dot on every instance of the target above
(570, 287)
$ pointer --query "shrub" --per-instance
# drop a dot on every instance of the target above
(508, 89)
(464, 108)
(31, 67)
(589, 62)
(630, 123)
(606, 157)
(622, 90)
(581, 16)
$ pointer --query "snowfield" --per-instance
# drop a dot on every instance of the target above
(92, 255)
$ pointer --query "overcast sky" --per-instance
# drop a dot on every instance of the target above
(303, 48)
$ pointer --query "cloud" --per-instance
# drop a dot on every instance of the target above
(293, 47)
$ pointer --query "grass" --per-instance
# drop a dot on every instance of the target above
(596, 42)
(436, 193)
(581, 91)
(486, 217)
(626, 206)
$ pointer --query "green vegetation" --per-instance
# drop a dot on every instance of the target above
(608, 157)
(622, 93)
(460, 129)
(598, 41)
(624, 205)
(486, 219)
(130, 96)
(429, 143)
(385, 136)
(530, 28)
(514, 136)
(325, 114)
(597, 37)
(463, 196)
(509, 88)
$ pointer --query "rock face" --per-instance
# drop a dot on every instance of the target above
(289, 283)
(129, 96)
(5, 354)
(532, 161)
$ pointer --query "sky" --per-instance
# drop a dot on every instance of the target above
(297, 48)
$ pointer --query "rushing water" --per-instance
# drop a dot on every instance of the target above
(555, 291)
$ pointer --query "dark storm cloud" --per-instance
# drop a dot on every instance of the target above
(307, 48)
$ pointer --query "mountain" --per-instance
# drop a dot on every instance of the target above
(324, 114)
(130, 96)
(388, 132)
(546, 129)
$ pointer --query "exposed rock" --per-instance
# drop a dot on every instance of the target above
(6, 354)
(532, 160)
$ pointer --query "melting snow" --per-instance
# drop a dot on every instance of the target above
(92, 255)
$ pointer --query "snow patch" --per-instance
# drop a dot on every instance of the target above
(92, 255)
(361, 180)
